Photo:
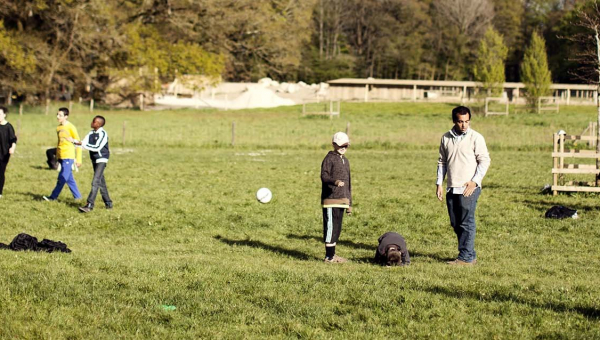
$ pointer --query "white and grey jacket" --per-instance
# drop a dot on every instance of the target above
(97, 143)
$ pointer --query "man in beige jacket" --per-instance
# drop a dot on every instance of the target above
(464, 157)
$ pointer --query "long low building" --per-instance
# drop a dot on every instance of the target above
(370, 89)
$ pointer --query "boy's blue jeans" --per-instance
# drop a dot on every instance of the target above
(461, 210)
(65, 176)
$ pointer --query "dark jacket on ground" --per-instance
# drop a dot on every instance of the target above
(335, 168)
(27, 242)
(391, 240)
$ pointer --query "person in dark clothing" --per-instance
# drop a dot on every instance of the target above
(392, 250)
(336, 194)
(97, 143)
(8, 144)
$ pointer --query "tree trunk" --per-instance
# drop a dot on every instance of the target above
(321, 30)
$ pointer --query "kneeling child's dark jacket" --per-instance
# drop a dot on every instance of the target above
(391, 240)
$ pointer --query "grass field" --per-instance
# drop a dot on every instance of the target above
(186, 231)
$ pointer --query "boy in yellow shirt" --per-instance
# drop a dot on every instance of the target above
(66, 154)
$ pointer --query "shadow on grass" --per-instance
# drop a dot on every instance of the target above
(261, 245)
(363, 246)
(355, 245)
(457, 293)
(36, 196)
(40, 167)
(69, 203)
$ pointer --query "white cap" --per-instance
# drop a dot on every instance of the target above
(340, 139)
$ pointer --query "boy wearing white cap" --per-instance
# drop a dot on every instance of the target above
(336, 194)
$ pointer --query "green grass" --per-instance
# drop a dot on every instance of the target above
(187, 232)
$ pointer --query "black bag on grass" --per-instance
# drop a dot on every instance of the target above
(559, 212)
(51, 158)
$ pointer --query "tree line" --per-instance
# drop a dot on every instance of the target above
(96, 48)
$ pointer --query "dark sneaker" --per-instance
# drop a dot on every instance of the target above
(458, 262)
(48, 199)
(86, 208)
(109, 206)
(335, 259)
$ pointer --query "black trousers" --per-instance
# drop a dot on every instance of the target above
(3, 164)
(332, 224)
(98, 183)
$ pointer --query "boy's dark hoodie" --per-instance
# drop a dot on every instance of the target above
(335, 168)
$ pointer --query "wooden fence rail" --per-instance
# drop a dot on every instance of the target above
(560, 169)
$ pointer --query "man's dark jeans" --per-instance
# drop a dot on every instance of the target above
(462, 218)
(99, 183)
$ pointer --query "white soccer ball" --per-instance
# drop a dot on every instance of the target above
(264, 195)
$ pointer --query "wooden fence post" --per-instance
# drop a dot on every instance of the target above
(233, 133)
(47, 105)
(486, 107)
(20, 109)
(561, 164)
(92, 105)
(124, 130)
(555, 161)
(70, 105)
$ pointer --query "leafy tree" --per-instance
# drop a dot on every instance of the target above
(316, 70)
(489, 66)
(50, 46)
(16, 63)
(257, 38)
(404, 50)
(60, 35)
(147, 58)
(534, 69)
(509, 21)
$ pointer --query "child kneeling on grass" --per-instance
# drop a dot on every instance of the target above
(336, 194)
(392, 250)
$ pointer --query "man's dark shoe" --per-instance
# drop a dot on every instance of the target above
(109, 206)
(86, 208)
(458, 262)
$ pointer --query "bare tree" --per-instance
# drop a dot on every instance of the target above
(470, 16)
(461, 23)
(588, 57)
(329, 17)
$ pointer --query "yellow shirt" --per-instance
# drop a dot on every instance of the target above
(66, 149)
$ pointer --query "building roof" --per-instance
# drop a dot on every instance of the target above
(447, 83)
